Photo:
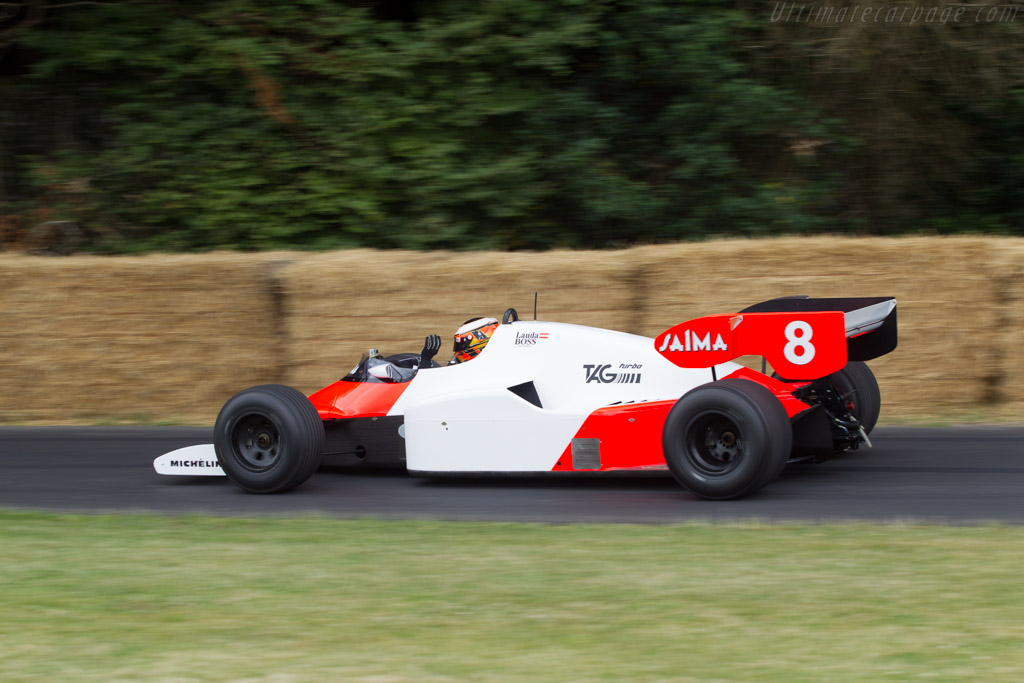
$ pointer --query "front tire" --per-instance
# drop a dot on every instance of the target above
(269, 438)
(727, 439)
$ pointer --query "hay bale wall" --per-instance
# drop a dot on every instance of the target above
(341, 304)
(148, 338)
(171, 337)
(1009, 329)
(950, 294)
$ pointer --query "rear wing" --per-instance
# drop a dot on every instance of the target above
(802, 338)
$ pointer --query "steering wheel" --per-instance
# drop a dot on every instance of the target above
(510, 317)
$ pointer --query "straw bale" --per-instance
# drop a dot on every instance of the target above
(171, 337)
(1009, 254)
(946, 293)
(155, 337)
(340, 304)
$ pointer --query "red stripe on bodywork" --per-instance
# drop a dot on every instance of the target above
(356, 399)
(630, 435)
(782, 390)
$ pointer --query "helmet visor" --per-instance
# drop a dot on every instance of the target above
(467, 340)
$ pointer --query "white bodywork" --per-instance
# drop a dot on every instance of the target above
(193, 461)
(463, 418)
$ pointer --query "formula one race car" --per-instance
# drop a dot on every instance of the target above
(554, 397)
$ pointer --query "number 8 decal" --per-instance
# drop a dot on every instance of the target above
(799, 350)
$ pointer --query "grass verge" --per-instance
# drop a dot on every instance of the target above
(157, 598)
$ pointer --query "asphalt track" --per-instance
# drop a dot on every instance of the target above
(963, 475)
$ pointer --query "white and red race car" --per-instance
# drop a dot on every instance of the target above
(547, 397)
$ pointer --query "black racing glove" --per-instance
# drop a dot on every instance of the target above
(431, 345)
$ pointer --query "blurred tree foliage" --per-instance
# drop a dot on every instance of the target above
(183, 125)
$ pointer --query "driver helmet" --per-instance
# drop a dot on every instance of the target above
(472, 337)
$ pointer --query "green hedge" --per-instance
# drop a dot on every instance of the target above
(496, 124)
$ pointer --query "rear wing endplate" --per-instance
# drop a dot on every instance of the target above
(802, 338)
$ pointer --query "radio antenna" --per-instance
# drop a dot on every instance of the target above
(535, 306)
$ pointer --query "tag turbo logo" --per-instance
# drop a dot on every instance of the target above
(529, 338)
(692, 342)
(602, 374)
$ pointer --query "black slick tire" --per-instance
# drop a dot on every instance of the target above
(858, 382)
(727, 439)
(269, 438)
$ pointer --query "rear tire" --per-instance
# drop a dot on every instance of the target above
(857, 379)
(269, 438)
(727, 439)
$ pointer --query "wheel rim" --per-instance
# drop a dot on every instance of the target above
(256, 442)
(715, 445)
